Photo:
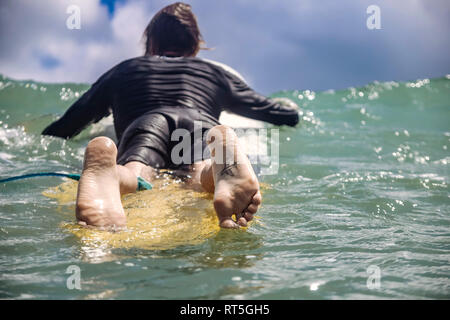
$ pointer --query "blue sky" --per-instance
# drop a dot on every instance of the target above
(111, 4)
(276, 45)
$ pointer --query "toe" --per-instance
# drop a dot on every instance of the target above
(257, 198)
(252, 208)
(228, 223)
(224, 210)
(242, 222)
(248, 216)
(100, 153)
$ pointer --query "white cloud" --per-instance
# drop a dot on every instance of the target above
(288, 44)
(34, 29)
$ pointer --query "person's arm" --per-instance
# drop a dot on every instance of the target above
(91, 107)
(246, 102)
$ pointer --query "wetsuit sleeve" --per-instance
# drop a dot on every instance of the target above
(92, 106)
(246, 102)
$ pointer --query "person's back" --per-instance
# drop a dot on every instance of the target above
(147, 84)
(151, 83)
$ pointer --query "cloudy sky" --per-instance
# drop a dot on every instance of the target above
(274, 44)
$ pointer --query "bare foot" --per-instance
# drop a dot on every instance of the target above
(236, 185)
(98, 200)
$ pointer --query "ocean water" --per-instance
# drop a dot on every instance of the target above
(359, 208)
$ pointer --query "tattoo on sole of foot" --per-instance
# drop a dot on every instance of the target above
(228, 170)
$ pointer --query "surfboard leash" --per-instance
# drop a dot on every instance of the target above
(142, 183)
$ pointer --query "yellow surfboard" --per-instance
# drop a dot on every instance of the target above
(165, 217)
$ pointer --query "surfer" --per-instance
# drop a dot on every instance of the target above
(150, 97)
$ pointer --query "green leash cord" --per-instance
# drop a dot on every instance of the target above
(142, 184)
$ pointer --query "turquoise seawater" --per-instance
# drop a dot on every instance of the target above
(362, 187)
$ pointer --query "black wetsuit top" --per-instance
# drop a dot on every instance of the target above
(189, 88)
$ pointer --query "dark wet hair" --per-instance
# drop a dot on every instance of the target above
(173, 30)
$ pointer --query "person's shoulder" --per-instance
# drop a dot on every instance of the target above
(132, 62)
(223, 67)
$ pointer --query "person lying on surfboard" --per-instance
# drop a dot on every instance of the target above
(152, 96)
